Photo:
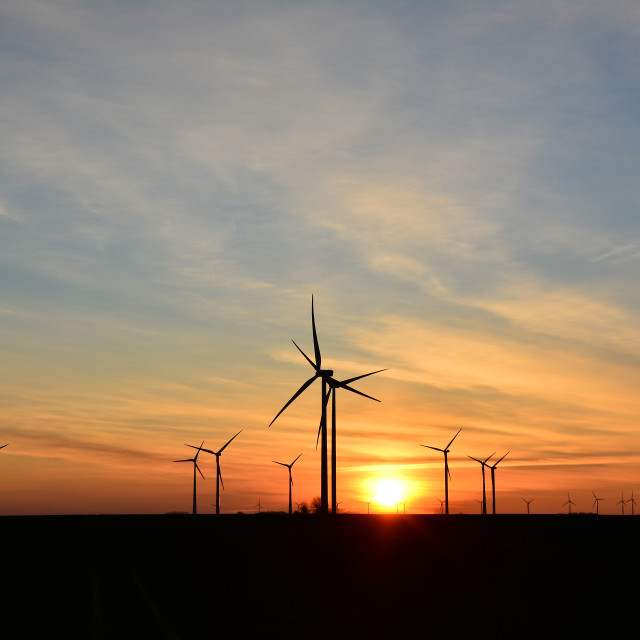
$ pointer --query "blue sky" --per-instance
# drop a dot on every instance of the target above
(454, 182)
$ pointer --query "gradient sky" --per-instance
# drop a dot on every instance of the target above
(456, 183)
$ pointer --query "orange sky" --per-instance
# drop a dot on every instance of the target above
(456, 187)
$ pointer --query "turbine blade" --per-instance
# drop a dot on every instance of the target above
(220, 476)
(364, 375)
(291, 465)
(434, 448)
(228, 443)
(282, 463)
(305, 355)
(198, 468)
(495, 464)
(295, 395)
(348, 388)
(476, 459)
(188, 460)
(193, 446)
(316, 346)
(454, 437)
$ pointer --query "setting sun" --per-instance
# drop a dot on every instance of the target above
(388, 492)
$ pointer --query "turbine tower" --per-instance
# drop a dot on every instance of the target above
(596, 503)
(195, 467)
(493, 480)
(329, 383)
(219, 481)
(528, 502)
(290, 480)
(447, 473)
(483, 464)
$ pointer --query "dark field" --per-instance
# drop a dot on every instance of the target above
(176, 576)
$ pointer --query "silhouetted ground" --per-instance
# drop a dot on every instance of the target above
(353, 576)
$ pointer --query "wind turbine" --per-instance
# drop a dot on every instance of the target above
(528, 503)
(632, 500)
(483, 464)
(219, 481)
(333, 386)
(195, 466)
(568, 502)
(447, 473)
(596, 503)
(493, 480)
(290, 480)
(621, 502)
(328, 382)
(441, 506)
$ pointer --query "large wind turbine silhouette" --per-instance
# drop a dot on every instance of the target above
(290, 480)
(219, 481)
(493, 480)
(195, 467)
(329, 384)
(483, 464)
(447, 473)
(334, 385)
(596, 503)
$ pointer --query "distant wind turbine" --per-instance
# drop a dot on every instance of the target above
(622, 502)
(284, 464)
(528, 502)
(195, 467)
(482, 505)
(219, 481)
(483, 464)
(632, 500)
(596, 503)
(441, 506)
(568, 502)
(493, 480)
(447, 473)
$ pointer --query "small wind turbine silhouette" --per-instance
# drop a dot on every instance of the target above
(596, 503)
(568, 502)
(621, 502)
(493, 480)
(441, 506)
(284, 464)
(447, 473)
(219, 481)
(632, 500)
(195, 466)
(481, 503)
(528, 503)
(483, 464)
